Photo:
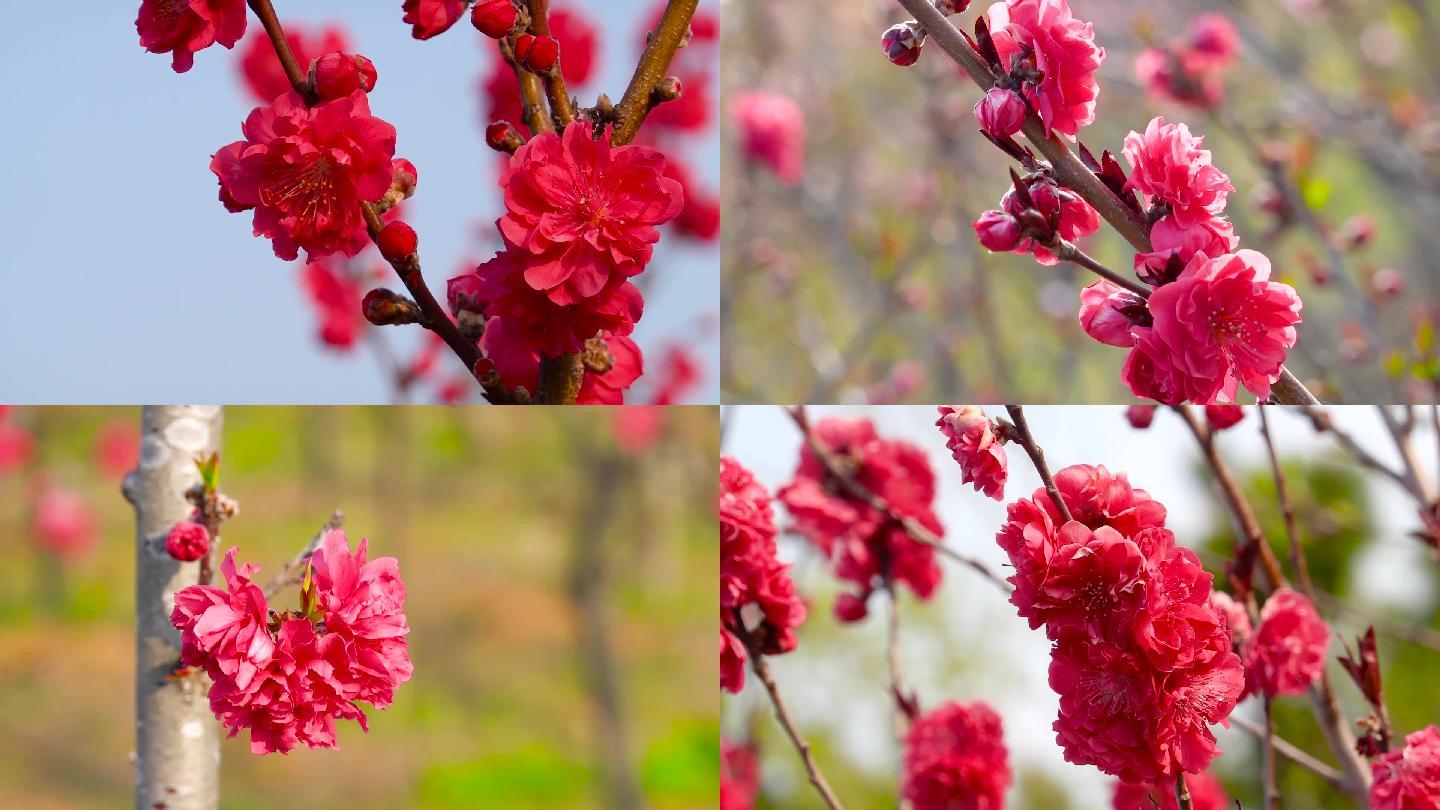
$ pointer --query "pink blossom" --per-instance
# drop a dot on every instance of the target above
(1286, 653)
(1108, 312)
(305, 171)
(583, 213)
(1168, 165)
(260, 68)
(902, 43)
(187, 541)
(1172, 246)
(429, 18)
(64, 523)
(184, 27)
(116, 449)
(739, 776)
(16, 446)
(1237, 619)
(997, 231)
(1055, 57)
(1408, 778)
(972, 440)
(1221, 324)
(1075, 216)
(751, 574)
(1140, 416)
(771, 130)
(955, 759)
(1223, 417)
(335, 297)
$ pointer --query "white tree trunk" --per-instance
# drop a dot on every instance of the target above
(177, 740)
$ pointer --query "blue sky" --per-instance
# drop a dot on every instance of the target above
(127, 280)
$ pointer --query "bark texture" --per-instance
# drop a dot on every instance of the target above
(177, 739)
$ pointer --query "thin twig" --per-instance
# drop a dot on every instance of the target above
(1267, 766)
(1070, 253)
(1182, 792)
(293, 569)
(782, 715)
(1287, 508)
(911, 527)
(1293, 753)
(1323, 422)
(560, 103)
(1022, 436)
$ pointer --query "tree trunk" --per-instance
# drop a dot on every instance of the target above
(177, 740)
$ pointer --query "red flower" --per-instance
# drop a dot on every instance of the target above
(1286, 653)
(1408, 778)
(429, 18)
(583, 213)
(1237, 620)
(519, 365)
(16, 445)
(290, 682)
(187, 541)
(305, 171)
(1168, 165)
(864, 544)
(260, 68)
(1053, 55)
(700, 218)
(739, 776)
(1140, 416)
(116, 450)
(1206, 793)
(1222, 323)
(184, 27)
(955, 759)
(1190, 70)
(637, 427)
(679, 373)
(771, 130)
(751, 574)
(1172, 246)
(970, 438)
(1108, 312)
(498, 289)
(1000, 112)
(335, 297)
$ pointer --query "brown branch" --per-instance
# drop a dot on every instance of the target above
(532, 91)
(1067, 169)
(660, 49)
(1267, 766)
(293, 70)
(1070, 253)
(855, 489)
(1020, 431)
(1182, 792)
(555, 89)
(560, 379)
(1293, 753)
(903, 700)
(782, 715)
(1323, 422)
(293, 571)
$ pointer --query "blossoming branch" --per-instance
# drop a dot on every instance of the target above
(548, 319)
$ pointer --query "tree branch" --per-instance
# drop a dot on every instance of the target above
(560, 105)
(292, 572)
(1022, 436)
(660, 49)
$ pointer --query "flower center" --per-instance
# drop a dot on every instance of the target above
(305, 190)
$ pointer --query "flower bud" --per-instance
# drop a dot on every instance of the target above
(1001, 112)
(997, 231)
(1388, 282)
(902, 42)
(1140, 416)
(496, 18)
(397, 242)
(404, 177)
(503, 137)
(383, 307)
(850, 608)
(188, 541)
(463, 293)
(537, 54)
(336, 75)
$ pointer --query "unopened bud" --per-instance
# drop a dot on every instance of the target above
(502, 136)
(397, 242)
(386, 308)
(404, 177)
(902, 42)
(537, 54)
(498, 18)
(997, 231)
(1001, 112)
(668, 89)
(337, 74)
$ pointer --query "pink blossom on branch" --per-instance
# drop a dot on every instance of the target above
(429, 18)
(955, 759)
(1286, 652)
(739, 776)
(751, 575)
(1053, 57)
(1108, 313)
(1168, 165)
(972, 439)
(1223, 323)
(611, 364)
(1408, 778)
(305, 170)
(584, 213)
(184, 27)
(260, 70)
(187, 541)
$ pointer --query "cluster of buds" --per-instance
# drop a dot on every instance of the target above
(537, 54)
(337, 75)
(902, 42)
(1034, 215)
(498, 19)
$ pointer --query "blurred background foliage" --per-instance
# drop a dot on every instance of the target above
(523, 536)
(864, 281)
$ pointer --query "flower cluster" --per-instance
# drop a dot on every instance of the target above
(1191, 69)
(955, 759)
(1206, 793)
(1285, 654)
(866, 546)
(287, 677)
(1051, 57)
(1141, 660)
(977, 447)
(1408, 778)
(1215, 320)
(1034, 213)
(751, 576)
